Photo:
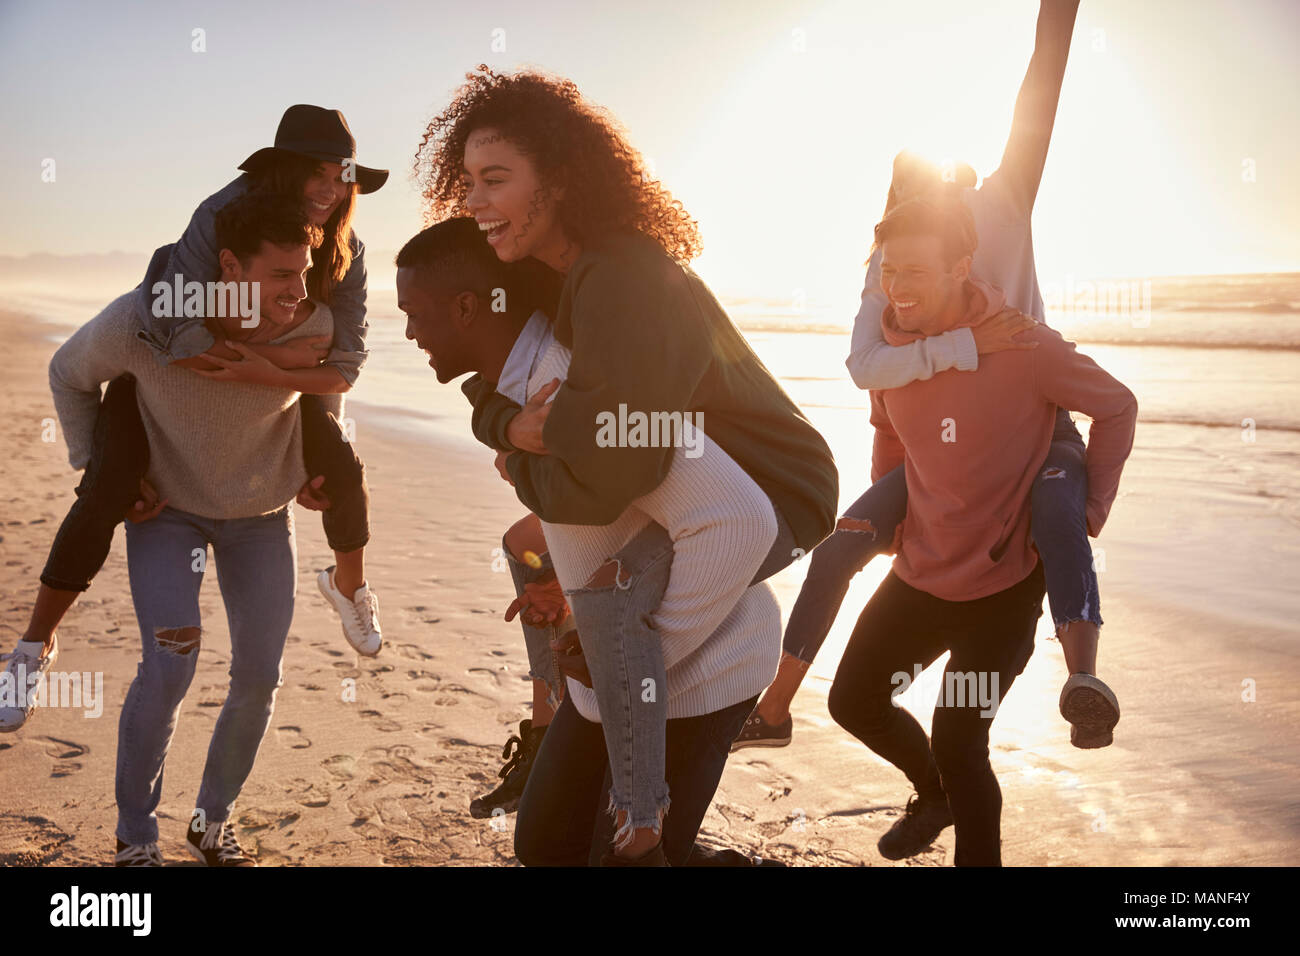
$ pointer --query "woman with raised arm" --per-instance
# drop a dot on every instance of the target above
(1002, 206)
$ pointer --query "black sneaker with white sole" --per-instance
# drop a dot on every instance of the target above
(519, 753)
(137, 854)
(216, 845)
(920, 825)
(757, 732)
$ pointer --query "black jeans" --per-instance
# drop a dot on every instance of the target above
(119, 458)
(903, 630)
(562, 819)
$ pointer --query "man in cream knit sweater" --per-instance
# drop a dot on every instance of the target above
(226, 461)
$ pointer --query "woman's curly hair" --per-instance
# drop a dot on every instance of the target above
(572, 143)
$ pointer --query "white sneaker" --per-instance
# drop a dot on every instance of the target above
(26, 669)
(360, 614)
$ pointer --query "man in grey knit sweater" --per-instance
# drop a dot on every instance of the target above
(226, 462)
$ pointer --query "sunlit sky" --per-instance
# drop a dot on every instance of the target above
(781, 153)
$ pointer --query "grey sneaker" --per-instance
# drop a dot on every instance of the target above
(1092, 710)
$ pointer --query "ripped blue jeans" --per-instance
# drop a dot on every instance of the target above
(1058, 525)
(626, 663)
(257, 568)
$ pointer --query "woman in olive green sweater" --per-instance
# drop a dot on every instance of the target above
(551, 177)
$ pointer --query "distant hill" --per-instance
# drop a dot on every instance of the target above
(47, 265)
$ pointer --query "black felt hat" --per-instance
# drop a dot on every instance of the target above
(321, 134)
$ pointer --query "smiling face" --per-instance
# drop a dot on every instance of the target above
(507, 198)
(280, 272)
(436, 322)
(324, 191)
(919, 285)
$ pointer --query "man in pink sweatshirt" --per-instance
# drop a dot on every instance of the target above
(966, 578)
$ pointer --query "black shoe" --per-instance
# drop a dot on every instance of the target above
(922, 822)
(216, 845)
(757, 732)
(519, 753)
(654, 857)
(702, 855)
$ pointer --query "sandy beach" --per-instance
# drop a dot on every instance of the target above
(1199, 593)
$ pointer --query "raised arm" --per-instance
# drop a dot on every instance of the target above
(875, 364)
(1021, 168)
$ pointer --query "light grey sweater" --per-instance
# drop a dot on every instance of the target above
(216, 449)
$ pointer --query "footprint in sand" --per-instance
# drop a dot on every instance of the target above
(292, 737)
(495, 675)
(307, 793)
(30, 840)
(253, 820)
(422, 614)
(381, 722)
(412, 652)
(214, 695)
(776, 783)
(64, 753)
(340, 766)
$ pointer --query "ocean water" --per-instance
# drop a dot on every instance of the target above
(1213, 360)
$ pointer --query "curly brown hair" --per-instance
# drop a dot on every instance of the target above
(571, 141)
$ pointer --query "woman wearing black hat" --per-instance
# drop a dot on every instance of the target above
(313, 162)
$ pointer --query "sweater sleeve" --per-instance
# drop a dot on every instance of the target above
(91, 356)
(492, 412)
(1066, 377)
(887, 449)
(875, 364)
(641, 344)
